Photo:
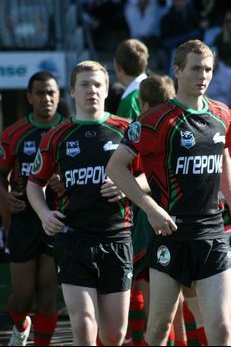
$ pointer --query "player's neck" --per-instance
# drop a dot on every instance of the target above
(44, 120)
(85, 116)
(195, 103)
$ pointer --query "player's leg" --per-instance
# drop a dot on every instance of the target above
(164, 297)
(45, 318)
(214, 297)
(179, 325)
(191, 300)
(113, 311)
(82, 308)
(21, 299)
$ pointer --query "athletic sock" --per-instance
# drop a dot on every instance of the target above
(19, 319)
(190, 325)
(202, 337)
(181, 343)
(193, 305)
(44, 327)
(171, 337)
(137, 317)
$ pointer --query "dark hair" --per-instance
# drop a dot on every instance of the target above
(42, 76)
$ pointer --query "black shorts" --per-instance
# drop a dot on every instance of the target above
(27, 238)
(106, 266)
(188, 261)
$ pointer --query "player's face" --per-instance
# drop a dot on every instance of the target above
(194, 79)
(90, 92)
(44, 99)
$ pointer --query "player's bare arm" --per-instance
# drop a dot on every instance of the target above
(11, 198)
(118, 170)
(226, 177)
(51, 220)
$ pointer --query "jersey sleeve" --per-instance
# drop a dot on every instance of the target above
(139, 138)
(44, 164)
(228, 134)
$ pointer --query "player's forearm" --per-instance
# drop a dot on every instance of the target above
(37, 199)
(143, 183)
(226, 178)
(123, 178)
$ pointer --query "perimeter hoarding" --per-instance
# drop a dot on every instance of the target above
(17, 67)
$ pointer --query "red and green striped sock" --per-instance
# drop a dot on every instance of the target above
(171, 337)
(190, 326)
(137, 317)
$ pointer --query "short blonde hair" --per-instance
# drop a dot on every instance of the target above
(88, 65)
(191, 46)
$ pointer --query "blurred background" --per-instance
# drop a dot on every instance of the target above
(57, 34)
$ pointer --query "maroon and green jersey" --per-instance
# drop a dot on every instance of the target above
(182, 152)
(18, 147)
(79, 151)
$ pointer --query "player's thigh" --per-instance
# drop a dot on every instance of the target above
(113, 312)
(81, 302)
(214, 295)
(164, 295)
(23, 276)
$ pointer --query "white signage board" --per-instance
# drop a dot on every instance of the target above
(17, 67)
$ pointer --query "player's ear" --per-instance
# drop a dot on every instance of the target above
(72, 93)
(176, 70)
(29, 97)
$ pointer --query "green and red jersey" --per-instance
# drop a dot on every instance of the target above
(182, 154)
(79, 152)
(18, 147)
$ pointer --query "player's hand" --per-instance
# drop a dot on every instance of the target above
(54, 183)
(161, 222)
(13, 202)
(52, 223)
(110, 191)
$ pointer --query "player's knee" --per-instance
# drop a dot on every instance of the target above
(113, 337)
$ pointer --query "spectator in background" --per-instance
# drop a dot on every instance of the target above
(179, 24)
(28, 24)
(212, 10)
(220, 86)
(143, 19)
(103, 17)
(222, 42)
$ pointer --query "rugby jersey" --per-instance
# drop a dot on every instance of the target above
(182, 152)
(18, 147)
(79, 151)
